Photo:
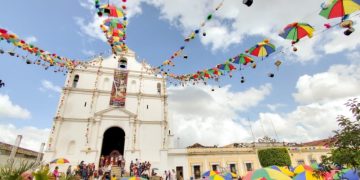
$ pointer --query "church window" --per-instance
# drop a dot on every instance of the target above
(147, 106)
(85, 104)
(158, 87)
(76, 80)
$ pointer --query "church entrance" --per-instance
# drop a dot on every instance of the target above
(113, 146)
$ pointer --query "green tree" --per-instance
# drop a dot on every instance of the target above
(346, 149)
(274, 156)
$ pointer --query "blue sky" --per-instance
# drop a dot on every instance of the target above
(307, 86)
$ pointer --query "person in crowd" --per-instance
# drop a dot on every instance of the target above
(164, 175)
(56, 173)
(68, 171)
(181, 177)
(131, 168)
(173, 175)
(113, 177)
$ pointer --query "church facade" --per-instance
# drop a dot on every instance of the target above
(113, 104)
(118, 105)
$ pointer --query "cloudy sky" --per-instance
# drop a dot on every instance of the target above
(300, 103)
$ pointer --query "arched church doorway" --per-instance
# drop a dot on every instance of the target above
(113, 142)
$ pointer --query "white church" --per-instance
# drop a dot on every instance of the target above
(114, 103)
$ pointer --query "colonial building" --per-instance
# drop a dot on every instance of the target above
(117, 105)
(22, 155)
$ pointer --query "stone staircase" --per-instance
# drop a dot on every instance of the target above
(115, 170)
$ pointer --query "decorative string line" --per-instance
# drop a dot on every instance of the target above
(189, 38)
(273, 54)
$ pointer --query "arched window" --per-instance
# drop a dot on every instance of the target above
(76, 80)
(71, 148)
(158, 87)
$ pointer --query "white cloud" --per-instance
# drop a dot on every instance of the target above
(47, 85)
(10, 110)
(31, 39)
(201, 115)
(274, 107)
(32, 136)
(306, 123)
(339, 81)
(91, 29)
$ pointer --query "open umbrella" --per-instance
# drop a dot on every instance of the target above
(215, 71)
(215, 177)
(209, 173)
(266, 173)
(242, 59)
(262, 49)
(301, 168)
(284, 170)
(111, 10)
(114, 23)
(60, 161)
(226, 66)
(229, 175)
(339, 8)
(348, 174)
(307, 175)
(296, 31)
(133, 178)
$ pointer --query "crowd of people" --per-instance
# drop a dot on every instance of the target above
(141, 169)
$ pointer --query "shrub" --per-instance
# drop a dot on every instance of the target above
(274, 156)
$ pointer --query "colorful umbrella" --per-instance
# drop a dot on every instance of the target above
(307, 175)
(215, 177)
(209, 173)
(111, 10)
(266, 173)
(114, 23)
(301, 168)
(348, 174)
(60, 161)
(133, 178)
(314, 166)
(339, 8)
(226, 66)
(262, 49)
(284, 170)
(215, 71)
(242, 59)
(296, 31)
(229, 175)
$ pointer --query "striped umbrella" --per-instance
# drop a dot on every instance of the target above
(284, 170)
(209, 173)
(60, 161)
(262, 49)
(348, 174)
(266, 173)
(296, 31)
(302, 168)
(133, 178)
(339, 8)
(242, 59)
(307, 175)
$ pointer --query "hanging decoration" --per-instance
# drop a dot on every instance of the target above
(338, 8)
(2, 84)
(296, 31)
(114, 27)
(52, 59)
(262, 49)
(179, 52)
